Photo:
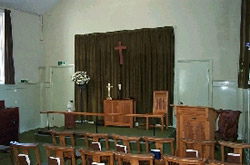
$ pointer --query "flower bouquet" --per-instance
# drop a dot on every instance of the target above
(80, 78)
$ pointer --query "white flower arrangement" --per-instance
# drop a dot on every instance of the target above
(80, 78)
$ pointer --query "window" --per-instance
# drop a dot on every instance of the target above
(2, 72)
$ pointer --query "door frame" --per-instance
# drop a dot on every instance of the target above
(210, 81)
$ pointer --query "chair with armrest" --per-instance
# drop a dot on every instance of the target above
(57, 155)
(174, 160)
(236, 156)
(228, 125)
(134, 159)
(200, 146)
(127, 141)
(158, 143)
(23, 152)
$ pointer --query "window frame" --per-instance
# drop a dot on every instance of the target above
(2, 46)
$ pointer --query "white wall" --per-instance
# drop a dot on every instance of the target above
(203, 29)
(27, 52)
(27, 98)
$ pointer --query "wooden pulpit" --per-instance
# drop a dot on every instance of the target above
(194, 122)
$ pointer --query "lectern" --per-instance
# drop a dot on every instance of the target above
(194, 122)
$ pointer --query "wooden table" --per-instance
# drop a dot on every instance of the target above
(147, 116)
(75, 113)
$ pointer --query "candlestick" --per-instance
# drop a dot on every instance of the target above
(119, 91)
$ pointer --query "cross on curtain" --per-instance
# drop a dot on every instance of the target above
(148, 65)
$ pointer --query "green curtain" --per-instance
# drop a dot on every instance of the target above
(148, 65)
(243, 75)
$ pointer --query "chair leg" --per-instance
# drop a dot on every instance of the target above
(147, 126)
(162, 124)
(166, 118)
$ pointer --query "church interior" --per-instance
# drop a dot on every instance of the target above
(124, 82)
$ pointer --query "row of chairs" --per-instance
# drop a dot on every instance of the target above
(61, 138)
(57, 155)
(118, 139)
(67, 139)
(128, 141)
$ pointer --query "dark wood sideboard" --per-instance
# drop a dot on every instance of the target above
(9, 124)
(116, 109)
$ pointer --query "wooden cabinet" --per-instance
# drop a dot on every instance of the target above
(116, 109)
(9, 125)
(69, 121)
(194, 123)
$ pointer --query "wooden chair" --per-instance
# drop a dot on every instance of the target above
(200, 146)
(127, 141)
(228, 125)
(158, 144)
(25, 148)
(97, 156)
(174, 160)
(237, 147)
(160, 108)
(134, 159)
(66, 138)
(96, 137)
(63, 136)
(60, 152)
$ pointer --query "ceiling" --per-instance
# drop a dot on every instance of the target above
(38, 7)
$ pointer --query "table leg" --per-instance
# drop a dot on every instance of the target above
(153, 126)
(11, 157)
(96, 124)
(166, 117)
(162, 123)
(147, 125)
(48, 121)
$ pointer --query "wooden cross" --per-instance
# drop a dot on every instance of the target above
(109, 87)
(120, 48)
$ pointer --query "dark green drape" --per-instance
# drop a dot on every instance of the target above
(148, 65)
(243, 76)
(9, 61)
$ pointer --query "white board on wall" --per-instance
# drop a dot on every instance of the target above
(194, 82)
